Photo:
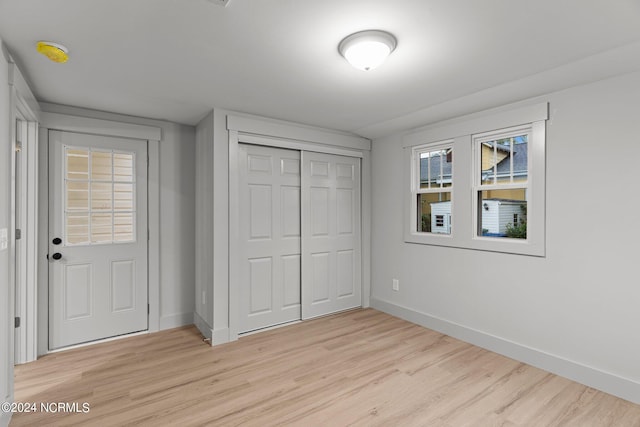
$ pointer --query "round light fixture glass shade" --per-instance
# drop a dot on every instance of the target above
(366, 50)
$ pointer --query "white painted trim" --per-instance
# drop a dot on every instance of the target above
(64, 122)
(221, 336)
(153, 222)
(234, 237)
(25, 107)
(481, 122)
(366, 193)
(9, 206)
(609, 383)
(202, 326)
(30, 107)
(293, 131)
(296, 145)
(43, 244)
(31, 240)
(176, 320)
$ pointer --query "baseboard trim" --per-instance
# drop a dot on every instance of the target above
(591, 377)
(202, 326)
(176, 320)
(220, 336)
(5, 417)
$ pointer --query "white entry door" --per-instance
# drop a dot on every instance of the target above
(331, 236)
(269, 276)
(98, 237)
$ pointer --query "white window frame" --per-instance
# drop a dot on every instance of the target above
(464, 132)
(415, 183)
(478, 186)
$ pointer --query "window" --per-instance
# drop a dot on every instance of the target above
(498, 203)
(99, 196)
(433, 186)
(501, 183)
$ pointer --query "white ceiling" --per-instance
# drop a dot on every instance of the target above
(177, 59)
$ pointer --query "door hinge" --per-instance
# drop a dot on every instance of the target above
(18, 234)
(16, 322)
(18, 146)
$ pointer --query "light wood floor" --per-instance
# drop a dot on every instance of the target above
(357, 368)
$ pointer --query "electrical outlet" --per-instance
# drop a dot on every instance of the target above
(204, 297)
(395, 285)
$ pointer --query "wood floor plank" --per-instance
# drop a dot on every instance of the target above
(360, 368)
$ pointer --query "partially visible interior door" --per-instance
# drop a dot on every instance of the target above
(331, 242)
(331, 235)
(98, 237)
(269, 185)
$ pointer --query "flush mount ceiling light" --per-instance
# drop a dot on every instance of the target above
(54, 51)
(366, 50)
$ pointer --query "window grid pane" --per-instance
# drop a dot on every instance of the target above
(502, 213)
(435, 168)
(434, 212)
(99, 196)
(504, 160)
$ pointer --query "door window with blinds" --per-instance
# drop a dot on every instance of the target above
(99, 188)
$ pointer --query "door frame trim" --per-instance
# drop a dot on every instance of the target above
(329, 144)
(69, 123)
(25, 288)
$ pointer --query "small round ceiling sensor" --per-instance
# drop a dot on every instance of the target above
(54, 51)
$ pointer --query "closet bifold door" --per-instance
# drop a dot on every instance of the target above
(331, 234)
(269, 244)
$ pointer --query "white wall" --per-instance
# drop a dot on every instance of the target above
(6, 303)
(575, 311)
(220, 299)
(212, 227)
(203, 317)
(177, 212)
(177, 225)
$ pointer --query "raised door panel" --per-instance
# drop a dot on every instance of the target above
(344, 273)
(260, 285)
(319, 211)
(123, 285)
(290, 218)
(78, 286)
(260, 212)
